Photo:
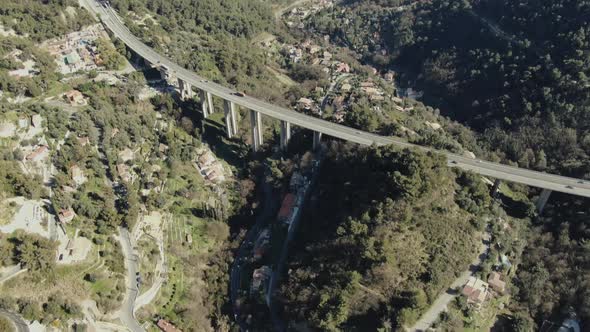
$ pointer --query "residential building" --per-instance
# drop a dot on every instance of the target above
(496, 283)
(166, 326)
(36, 120)
(78, 175)
(65, 216)
(124, 173)
(206, 159)
(476, 291)
(75, 97)
(39, 154)
(260, 279)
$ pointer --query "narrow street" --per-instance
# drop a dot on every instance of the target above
(126, 313)
(19, 324)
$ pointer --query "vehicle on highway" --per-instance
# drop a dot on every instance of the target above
(569, 187)
(454, 162)
(240, 94)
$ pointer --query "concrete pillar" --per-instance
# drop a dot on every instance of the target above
(496, 188)
(165, 73)
(205, 98)
(186, 90)
(543, 198)
(256, 123)
(317, 140)
(285, 134)
(230, 118)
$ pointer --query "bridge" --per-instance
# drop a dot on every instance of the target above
(188, 82)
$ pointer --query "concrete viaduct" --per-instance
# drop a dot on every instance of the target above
(188, 82)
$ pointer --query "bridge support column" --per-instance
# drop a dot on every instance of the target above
(230, 118)
(285, 134)
(186, 90)
(165, 74)
(256, 122)
(317, 139)
(206, 103)
(496, 188)
(543, 198)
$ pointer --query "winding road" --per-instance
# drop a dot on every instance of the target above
(490, 169)
(19, 324)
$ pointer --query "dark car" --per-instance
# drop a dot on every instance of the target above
(240, 94)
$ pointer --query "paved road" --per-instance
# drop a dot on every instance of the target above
(126, 313)
(441, 303)
(499, 171)
(19, 324)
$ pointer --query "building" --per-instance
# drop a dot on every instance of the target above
(65, 216)
(287, 206)
(124, 172)
(38, 155)
(346, 87)
(342, 67)
(23, 123)
(71, 58)
(260, 279)
(476, 291)
(389, 76)
(78, 175)
(7, 129)
(75, 97)
(36, 120)
(83, 140)
(496, 283)
(305, 104)
(206, 159)
(126, 155)
(166, 326)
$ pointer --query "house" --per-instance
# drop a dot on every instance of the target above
(83, 140)
(367, 84)
(7, 129)
(260, 279)
(189, 239)
(124, 172)
(38, 155)
(375, 97)
(305, 104)
(65, 216)
(71, 58)
(339, 116)
(342, 67)
(166, 326)
(327, 55)
(476, 291)
(163, 148)
(433, 125)
(126, 155)
(287, 207)
(23, 122)
(389, 76)
(78, 175)
(397, 100)
(346, 87)
(314, 49)
(206, 159)
(36, 120)
(497, 284)
(75, 97)
(398, 108)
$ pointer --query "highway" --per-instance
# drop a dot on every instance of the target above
(499, 171)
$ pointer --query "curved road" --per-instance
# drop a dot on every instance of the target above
(494, 170)
(16, 320)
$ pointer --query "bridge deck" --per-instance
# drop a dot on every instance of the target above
(494, 170)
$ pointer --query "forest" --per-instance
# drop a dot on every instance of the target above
(394, 229)
(517, 73)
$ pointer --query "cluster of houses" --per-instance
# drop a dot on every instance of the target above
(76, 51)
(209, 167)
(28, 66)
(295, 17)
(478, 291)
